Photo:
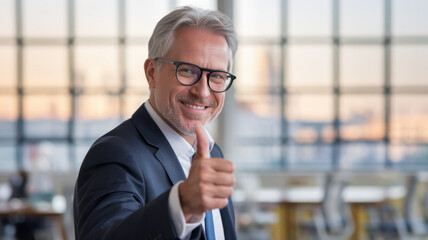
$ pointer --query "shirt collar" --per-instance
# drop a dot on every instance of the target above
(180, 146)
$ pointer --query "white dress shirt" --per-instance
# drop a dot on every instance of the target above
(184, 152)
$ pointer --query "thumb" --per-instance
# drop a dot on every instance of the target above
(202, 147)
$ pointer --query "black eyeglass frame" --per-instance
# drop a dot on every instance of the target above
(210, 71)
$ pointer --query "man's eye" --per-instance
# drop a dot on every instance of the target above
(188, 71)
(219, 76)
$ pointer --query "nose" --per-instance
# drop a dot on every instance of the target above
(201, 88)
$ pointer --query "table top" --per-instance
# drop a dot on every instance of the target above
(20, 207)
(314, 194)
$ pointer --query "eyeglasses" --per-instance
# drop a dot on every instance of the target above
(189, 74)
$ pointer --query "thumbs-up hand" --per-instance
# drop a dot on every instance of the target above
(210, 180)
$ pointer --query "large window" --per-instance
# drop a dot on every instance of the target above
(322, 84)
(331, 84)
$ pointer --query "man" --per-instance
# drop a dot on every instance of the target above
(159, 175)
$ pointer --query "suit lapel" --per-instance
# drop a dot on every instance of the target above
(171, 164)
(227, 219)
(227, 215)
(154, 136)
(197, 233)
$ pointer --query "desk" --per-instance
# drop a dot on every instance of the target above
(21, 208)
(292, 198)
(358, 198)
(314, 194)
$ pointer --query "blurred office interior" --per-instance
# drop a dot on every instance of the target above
(327, 122)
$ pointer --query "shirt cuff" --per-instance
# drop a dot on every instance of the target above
(182, 228)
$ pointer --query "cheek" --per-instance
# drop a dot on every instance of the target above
(162, 96)
(220, 102)
(164, 89)
(170, 95)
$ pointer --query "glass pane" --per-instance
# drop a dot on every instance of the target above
(410, 17)
(361, 18)
(47, 18)
(46, 156)
(8, 66)
(409, 65)
(309, 65)
(97, 67)
(361, 66)
(141, 16)
(257, 67)
(409, 118)
(96, 114)
(135, 76)
(310, 17)
(310, 118)
(362, 155)
(255, 18)
(8, 116)
(96, 18)
(317, 156)
(133, 102)
(7, 18)
(362, 117)
(258, 115)
(409, 156)
(257, 157)
(46, 115)
(46, 67)
(8, 158)
(206, 4)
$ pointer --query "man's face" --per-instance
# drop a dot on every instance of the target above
(182, 107)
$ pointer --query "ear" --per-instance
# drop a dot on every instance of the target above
(150, 70)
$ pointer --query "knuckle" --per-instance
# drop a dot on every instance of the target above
(200, 174)
(205, 201)
(230, 180)
(201, 187)
(223, 202)
(205, 176)
(228, 191)
(204, 189)
(230, 166)
(204, 163)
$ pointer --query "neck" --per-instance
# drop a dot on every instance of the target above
(189, 138)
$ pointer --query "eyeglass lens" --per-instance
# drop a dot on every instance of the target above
(188, 74)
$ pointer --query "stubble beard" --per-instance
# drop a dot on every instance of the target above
(172, 116)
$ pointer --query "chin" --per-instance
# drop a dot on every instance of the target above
(188, 129)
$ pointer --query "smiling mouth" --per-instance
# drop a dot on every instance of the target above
(194, 106)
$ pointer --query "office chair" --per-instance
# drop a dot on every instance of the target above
(332, 219)
(389, 223)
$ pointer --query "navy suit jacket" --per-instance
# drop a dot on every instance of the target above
(124, 182)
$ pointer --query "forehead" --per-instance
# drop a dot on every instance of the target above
(201, 47)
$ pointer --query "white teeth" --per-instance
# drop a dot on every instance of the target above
(195, 107)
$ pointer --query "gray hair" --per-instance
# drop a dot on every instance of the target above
(213, 21)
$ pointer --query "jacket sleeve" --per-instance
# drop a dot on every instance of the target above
(109, 200)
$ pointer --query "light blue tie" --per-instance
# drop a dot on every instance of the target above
(209, 226)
